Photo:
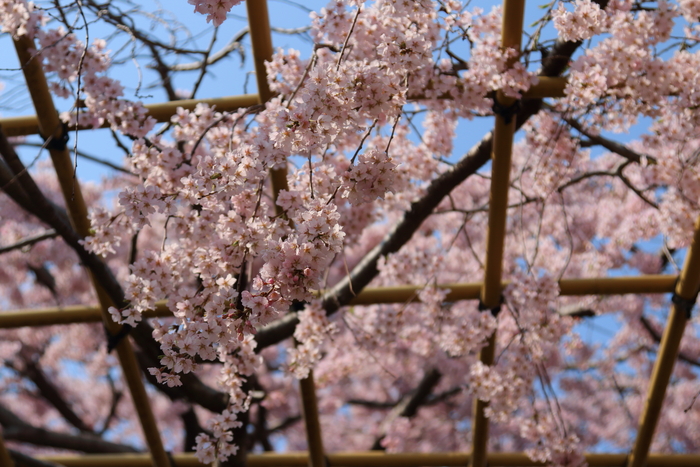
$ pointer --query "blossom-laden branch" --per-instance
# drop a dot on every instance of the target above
(341, 294)
(27, 194)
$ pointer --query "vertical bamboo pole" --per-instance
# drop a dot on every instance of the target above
(317, 457)
(5, 459)
(261, 38)
(513, 13)
(686, 291)
(51, 126)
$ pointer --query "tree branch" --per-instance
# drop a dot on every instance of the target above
(234, 44)
(610, 145)
(27, 241)
(340, 295)
(50, 392)
(656, 336)
(286, 423)
(84, 155)
(193, 389)
(192, 428)
(16, 429)
(409, 404)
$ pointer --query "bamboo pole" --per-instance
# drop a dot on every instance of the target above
(261, 38)
(5, 459)
(547, 86)
(50, 126)
(512, 30)
(369, 459)
(686, 290)
(651, 284)
(317, 457)
(161, 111)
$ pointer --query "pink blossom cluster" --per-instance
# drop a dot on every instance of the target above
(17, 16)
(310, 333)
(230, 256)
(559, 159)
(585, 21)
(371, 178)
(215, 10)
(73, 63)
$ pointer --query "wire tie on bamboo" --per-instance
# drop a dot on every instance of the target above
(684, 304)
(60, 142)
(505, 111)
(113, 340)
(494, 311)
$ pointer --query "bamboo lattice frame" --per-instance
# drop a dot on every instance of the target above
(489, 291)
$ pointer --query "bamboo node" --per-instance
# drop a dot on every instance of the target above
(60, 142)
(684, 304)
(113, 340)
(506, 111)
(494, 311)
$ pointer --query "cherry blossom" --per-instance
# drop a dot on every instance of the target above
(366, 127)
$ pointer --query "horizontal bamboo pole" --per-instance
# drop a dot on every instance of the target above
(162, 112)
(651, 284)
(547, 86)
(368, 459)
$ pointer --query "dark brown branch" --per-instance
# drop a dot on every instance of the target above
(576, 311)
(372, 404)
(610, 145)
(29, 241)
(123, 21)
(432, 399)
(192, 389)
(617, 174)
(116, 397)
(50, 392)
(192, 428)
(37, 204)
(84, 155)
(261, 433)
(15, 429)
(409, 404)
(656, 336)
(286, 423)
(10, 185)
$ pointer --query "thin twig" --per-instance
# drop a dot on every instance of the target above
(29, 241)
(347, 38)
